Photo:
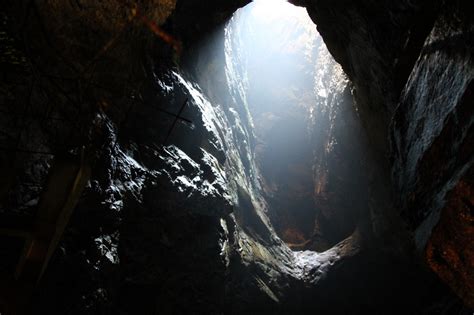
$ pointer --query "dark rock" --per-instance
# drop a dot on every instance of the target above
(178, 220)
(433, 140)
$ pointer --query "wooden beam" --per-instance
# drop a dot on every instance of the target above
(67, 179)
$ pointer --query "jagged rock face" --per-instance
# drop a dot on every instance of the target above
(340, 174)
(373, 42)
(180, 224)
(101, 263)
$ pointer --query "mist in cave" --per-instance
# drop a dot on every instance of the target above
(278, 64)
(279, 44)
(213, 157)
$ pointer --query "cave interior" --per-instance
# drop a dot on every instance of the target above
(237, 157)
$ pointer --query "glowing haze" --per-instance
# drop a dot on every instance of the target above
(272, 48)
(272, 8)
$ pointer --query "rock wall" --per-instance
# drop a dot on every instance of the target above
(339, 149)
(177, 222)
(433, 136)
(426, 48)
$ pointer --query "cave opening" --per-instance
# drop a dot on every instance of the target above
(307, 136)
(278, 40)
(186, 156)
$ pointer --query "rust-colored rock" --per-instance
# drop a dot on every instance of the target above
(83, 30)
(107, 15)
(450, 251)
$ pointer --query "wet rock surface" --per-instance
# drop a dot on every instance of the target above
(432, 136)
(177, 221)
(428, 51)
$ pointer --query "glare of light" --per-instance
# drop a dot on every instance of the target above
(271, 8)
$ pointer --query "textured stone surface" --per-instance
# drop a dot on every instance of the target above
(433, 140)
(450, 251)
(338, 141)
(367, 38)
(183, 226)
(431, 128)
